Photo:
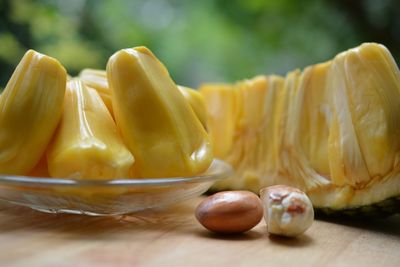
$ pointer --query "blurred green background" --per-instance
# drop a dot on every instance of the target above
(199, 41)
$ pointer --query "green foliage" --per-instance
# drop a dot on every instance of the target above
(199, 41)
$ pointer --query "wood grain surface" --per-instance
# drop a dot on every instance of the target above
(172, 237)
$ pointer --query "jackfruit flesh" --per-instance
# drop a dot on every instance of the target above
(196, 102)
(157, 123)
(87, 144)
(331, 130)
(97, 79)
(221, 108)
(30, 109)
(41, 169)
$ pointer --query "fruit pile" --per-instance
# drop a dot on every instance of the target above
(128, 121)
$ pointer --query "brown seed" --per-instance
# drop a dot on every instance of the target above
(230, 211)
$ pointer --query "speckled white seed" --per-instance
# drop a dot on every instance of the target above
(287, 210)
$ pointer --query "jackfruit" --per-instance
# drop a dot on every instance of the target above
(41, 169)
(331, 130)
(30, 109)
(87, 144)
(97, 79)
(196, 102)
(221, 107)
(157, 123)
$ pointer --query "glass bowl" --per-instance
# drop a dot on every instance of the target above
(106, 197)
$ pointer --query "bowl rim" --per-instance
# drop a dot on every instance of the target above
(217, 170)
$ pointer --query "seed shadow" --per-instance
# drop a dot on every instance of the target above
(299, 241)
(246, 236)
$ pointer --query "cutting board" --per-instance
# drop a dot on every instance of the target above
(172, 237)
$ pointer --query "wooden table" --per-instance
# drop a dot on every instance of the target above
(172, 237)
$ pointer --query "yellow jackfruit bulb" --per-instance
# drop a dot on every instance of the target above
(365, 83)
(221, 108)
(157, 123)
(40, 170)
(196, 102)
(97, 79)
(87, 144)
(30, 109)
(314, 113)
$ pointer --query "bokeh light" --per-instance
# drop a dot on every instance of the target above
(199, 41)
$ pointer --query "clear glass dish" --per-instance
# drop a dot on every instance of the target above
(106, 197)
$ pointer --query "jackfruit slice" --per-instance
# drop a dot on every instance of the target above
(315, 117)
(331, 130)
(40, 170)
(196, 102)
(157, 123)
(221, 107)
(87, 144)
(97, 79)
(30, 109)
